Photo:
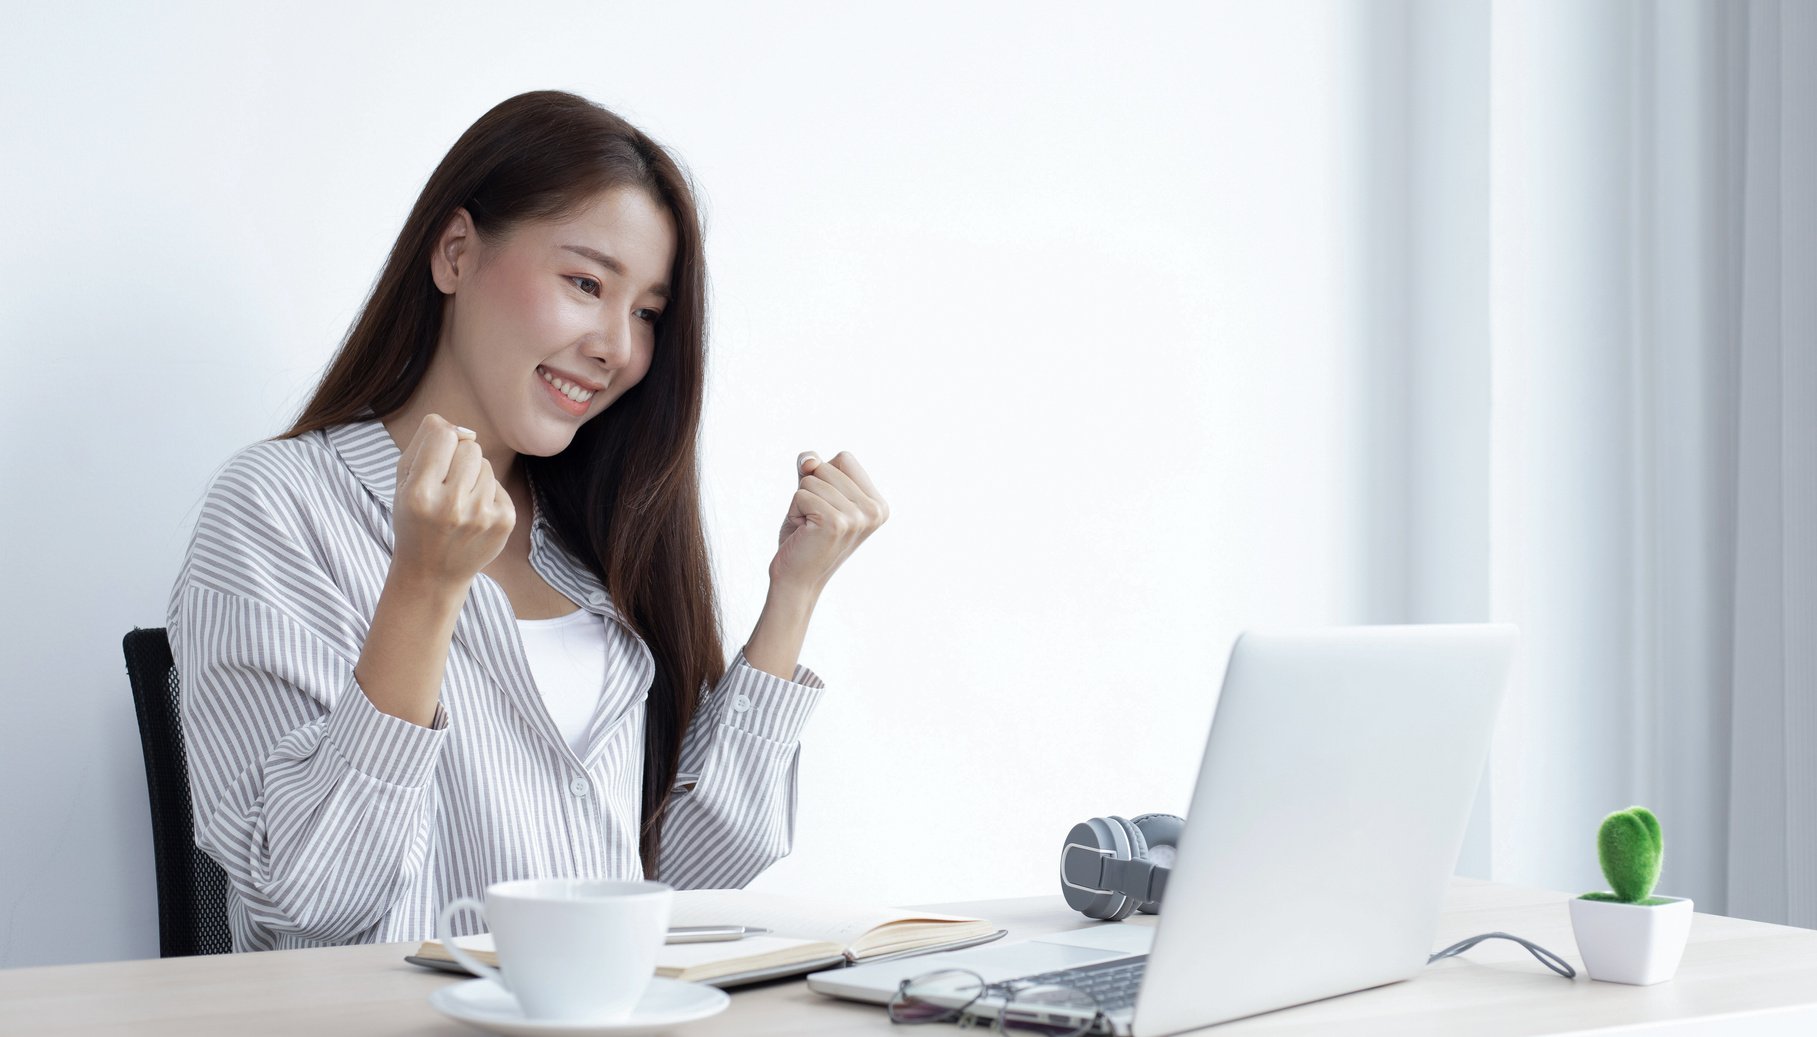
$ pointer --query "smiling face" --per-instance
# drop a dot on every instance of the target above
(576, 300)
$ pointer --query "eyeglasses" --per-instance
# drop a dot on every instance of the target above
(1036, 1009)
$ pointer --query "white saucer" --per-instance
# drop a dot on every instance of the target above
(485, 1005)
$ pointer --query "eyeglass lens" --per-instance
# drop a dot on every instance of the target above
(1049, 1011)
(936, 997)
(1039, 1011)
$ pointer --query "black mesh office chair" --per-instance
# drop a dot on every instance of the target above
(192, 888)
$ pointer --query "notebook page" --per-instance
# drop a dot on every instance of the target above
(688, 955)
(842, 922)
(678, 955)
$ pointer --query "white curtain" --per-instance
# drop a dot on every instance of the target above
(1772, 803)
(1588, 291)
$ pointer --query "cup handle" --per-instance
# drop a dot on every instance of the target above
(472, 964)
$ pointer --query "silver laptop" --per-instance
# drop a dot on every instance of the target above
(1323, 833)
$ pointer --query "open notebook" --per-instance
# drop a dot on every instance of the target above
(807, 935)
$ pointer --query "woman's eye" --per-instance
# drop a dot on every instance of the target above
(652, 316)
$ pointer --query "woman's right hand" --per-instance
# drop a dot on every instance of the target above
(450, 518)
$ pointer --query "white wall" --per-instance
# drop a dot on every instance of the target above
(1070, 279)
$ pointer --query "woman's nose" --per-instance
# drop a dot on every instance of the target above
(613, 346)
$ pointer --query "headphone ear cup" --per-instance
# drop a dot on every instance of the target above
(1094, 837)
(1160, 838)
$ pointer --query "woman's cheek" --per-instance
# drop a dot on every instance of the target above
(646, 356)
(546, 315)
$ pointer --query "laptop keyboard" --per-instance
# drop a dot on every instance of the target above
(1113, 983)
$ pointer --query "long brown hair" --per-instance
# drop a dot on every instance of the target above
(624, 497)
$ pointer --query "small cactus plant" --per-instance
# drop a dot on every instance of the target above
(1630, 850)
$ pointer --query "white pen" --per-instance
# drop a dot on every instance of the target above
(710, 933)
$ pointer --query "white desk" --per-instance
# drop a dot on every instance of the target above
(1754, 978)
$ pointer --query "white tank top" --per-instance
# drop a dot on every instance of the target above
(568, 659)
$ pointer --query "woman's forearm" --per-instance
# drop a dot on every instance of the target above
(406, 651)
(775, 644)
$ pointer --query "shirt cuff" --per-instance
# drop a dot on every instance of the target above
(380, 745)
(765, 704)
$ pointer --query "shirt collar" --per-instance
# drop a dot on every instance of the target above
(369, 452)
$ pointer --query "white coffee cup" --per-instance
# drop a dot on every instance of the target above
(571, 949)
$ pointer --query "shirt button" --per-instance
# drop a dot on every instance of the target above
(597, 598)
(578, 786)
(741, 704)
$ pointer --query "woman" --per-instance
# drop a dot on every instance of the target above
(458, 624)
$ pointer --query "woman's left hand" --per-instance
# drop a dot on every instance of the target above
(836, 507)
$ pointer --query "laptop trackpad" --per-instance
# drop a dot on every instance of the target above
(1022, 959)
(1110, 936)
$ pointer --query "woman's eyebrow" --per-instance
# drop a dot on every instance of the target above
(613, 265)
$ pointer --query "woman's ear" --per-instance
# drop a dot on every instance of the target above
(452, 252)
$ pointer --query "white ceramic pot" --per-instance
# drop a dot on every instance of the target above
(1631, 943)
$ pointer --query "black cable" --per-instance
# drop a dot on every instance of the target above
(1546, 957)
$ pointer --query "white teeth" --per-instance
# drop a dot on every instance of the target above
(567, 388)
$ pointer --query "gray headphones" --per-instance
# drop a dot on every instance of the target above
(1111, 866)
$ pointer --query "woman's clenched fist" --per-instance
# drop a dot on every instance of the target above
(836, 506)
(450, 517)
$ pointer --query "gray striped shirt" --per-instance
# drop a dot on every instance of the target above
(341, 824)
